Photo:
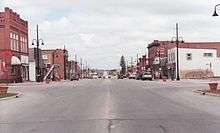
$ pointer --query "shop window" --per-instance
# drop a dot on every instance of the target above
(207, 54)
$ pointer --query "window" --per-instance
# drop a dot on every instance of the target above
(44, 57)
(1, 66)
(11, 35)
(17, 46)
(16, 37)
(189, 56)
(14, 45)
(11, 43)
(207, 54)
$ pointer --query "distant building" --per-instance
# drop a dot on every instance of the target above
(56, 57)
(142, 64)
(158, 55)
(194, 62)
(13, 47)
(73, 70)
(33, 61)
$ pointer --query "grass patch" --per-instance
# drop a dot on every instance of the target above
(7, 95)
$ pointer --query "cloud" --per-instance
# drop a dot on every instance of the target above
(100, 31)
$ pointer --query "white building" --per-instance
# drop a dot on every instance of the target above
(32, 71)
(194, 62)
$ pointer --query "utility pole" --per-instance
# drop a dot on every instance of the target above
(38, 71)
(65, 59)
(177, 51)
(75, 65)
(137, 67)
(38, 58)
(177, 41)
(86, 70)
(132, 64)
(81, 60)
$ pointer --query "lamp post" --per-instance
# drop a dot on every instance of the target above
(65, 62)
(159, 59)
(76, 67)
(37, 41)
(177, 41)
(215, 11)
(81, 68)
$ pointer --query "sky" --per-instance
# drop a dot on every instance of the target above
(101, 31)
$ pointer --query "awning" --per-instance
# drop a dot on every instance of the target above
(15, 60)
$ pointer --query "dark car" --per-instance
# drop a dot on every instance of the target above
(138, 76)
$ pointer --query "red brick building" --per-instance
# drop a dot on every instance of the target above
(158, 53)
(13, 47)
(142, 64)
(73, 70)
(58, 57)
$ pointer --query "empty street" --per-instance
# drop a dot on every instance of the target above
(110, 106)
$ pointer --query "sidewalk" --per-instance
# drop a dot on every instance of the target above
(199, 81)
(27, 83)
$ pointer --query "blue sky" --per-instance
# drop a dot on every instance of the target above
(100, 31)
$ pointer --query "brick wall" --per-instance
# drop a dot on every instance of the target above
(11, 22)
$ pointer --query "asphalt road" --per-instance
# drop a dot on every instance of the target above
(110, 106)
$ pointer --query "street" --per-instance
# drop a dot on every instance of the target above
(110, 106)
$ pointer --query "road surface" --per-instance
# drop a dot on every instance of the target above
(110, 106)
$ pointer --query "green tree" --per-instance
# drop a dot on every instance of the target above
(123, 65)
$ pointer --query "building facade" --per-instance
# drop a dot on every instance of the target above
(142, 64)
(73, 70)
(194, 62)
(57, 57)
(158, 55)
(13, 47)
(33, 68)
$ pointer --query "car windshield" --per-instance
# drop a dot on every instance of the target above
(109, 66)
(147, 73)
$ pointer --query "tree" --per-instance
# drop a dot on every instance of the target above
(123, 65)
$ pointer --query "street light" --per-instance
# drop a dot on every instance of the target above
(177, 41)
(65, 52)
(215, 11)
(37, 41)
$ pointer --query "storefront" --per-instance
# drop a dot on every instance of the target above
(171, 71)
(24, 68)
(16, 69)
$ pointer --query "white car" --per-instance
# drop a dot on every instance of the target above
(132, 76)
(94, 77)
(147, 76)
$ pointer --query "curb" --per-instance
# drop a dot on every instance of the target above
(208, 94)
(11, 97)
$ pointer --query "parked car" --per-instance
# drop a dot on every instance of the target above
(94, 76)
(147, 76)
(132, 76)
(138, 76)
(74, 78)
(121, 77)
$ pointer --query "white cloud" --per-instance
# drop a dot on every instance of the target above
(101, 31)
